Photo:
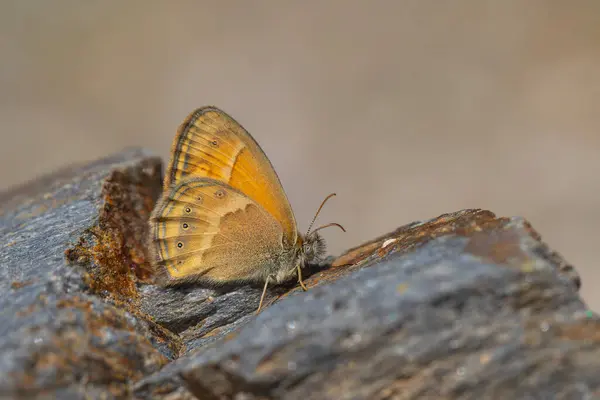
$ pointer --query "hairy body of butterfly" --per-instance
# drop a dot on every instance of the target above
(224, 217)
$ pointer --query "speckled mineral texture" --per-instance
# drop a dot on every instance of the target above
(463, 306)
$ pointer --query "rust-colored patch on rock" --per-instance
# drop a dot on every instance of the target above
(19, 284)
(586, 330)
(406, 238)
(109, 274)
(357, 254)
(117, 259)
(518, 245)
(128, 202)
(500, 247)
(110, 278)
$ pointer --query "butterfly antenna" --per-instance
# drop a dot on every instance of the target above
(318, 211)
(328, 225)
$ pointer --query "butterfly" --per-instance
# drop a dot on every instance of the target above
(223, 217)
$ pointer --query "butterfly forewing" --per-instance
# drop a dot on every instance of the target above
(211, 144)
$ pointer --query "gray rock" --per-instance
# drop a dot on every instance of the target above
(461, 306)
(58, 340)
(464, 306)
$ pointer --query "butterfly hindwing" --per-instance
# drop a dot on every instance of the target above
(211, 144)
(205, 230)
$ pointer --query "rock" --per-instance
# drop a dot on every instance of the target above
(462, 306)
(465, 305)
(58, 339)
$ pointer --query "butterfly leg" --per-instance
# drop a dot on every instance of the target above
(262, 296)
(300, 281)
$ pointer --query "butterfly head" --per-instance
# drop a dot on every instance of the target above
(312, 249)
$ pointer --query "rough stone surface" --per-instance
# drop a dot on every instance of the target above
(462, 306)
(201, 315)
(57, 339)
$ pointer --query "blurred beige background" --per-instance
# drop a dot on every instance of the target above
(407, 109)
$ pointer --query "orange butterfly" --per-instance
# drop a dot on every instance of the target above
(224, 216)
